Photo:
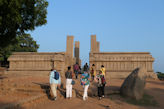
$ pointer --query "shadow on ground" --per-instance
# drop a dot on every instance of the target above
(10, 106)
(105, 106)
(46, 89)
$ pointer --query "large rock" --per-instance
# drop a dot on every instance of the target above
(134, 84)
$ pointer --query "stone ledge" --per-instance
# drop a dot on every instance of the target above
(37, 53)
(120, 53)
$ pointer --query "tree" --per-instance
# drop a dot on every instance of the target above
(25, 43)
(160, 75)
(18, 16)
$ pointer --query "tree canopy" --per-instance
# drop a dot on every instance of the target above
(18, 16)
(25, 43)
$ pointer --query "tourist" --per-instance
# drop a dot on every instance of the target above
(79, 69)
(68, 76)
(86, 67)
(100, 84)
(93, 72)
(85, 83)
(103, 70)
(76, 70)
(55, 81)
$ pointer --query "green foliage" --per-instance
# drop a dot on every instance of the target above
(160, 75)
(18, 16)
(25, 43)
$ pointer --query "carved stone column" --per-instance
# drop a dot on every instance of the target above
(69, 50)
(98, 47)
(93, 43)
(77, 52)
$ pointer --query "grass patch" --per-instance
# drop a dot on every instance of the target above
(147, 100)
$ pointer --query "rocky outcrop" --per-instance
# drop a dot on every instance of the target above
(134, 84)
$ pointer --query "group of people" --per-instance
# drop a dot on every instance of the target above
(98, 77)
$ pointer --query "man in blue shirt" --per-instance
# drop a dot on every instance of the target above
(54, 83)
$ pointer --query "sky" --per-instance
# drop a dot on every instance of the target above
(120, 26)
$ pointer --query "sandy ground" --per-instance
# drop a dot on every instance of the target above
(16, 88)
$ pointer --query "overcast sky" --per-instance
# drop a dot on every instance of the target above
(120, 26)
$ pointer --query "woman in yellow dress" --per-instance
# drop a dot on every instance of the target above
(93, 72)
(103, 70)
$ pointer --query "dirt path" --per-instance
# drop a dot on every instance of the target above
(154, 88)
(32, 84)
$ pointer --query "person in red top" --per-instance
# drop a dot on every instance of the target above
(76, 70)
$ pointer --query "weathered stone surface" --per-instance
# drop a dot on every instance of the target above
(119, 63)
(43, 62)
(152, 75)
(70, 43)
(134, 84)
(73, 93)
(93, 43)
(77, 51)
(2, 70)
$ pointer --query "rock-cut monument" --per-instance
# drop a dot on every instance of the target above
(120, 64)
(117, 64)
(43, 62)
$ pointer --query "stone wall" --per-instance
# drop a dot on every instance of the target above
(122, 62)
(33, 61)
(42, 63)
(119, 64)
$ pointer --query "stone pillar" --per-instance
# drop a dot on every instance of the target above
(77, 52)
(98, 47)
(69, 50)
(93, 43)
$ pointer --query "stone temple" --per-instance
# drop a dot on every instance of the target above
(43, 62)
(120, 64)
(117, 64)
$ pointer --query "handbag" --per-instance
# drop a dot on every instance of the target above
(73, 82)
(103, 80)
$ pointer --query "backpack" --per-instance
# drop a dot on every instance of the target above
(103, 80)
(56, 75)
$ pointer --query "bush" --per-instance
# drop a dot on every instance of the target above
(160, 75)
